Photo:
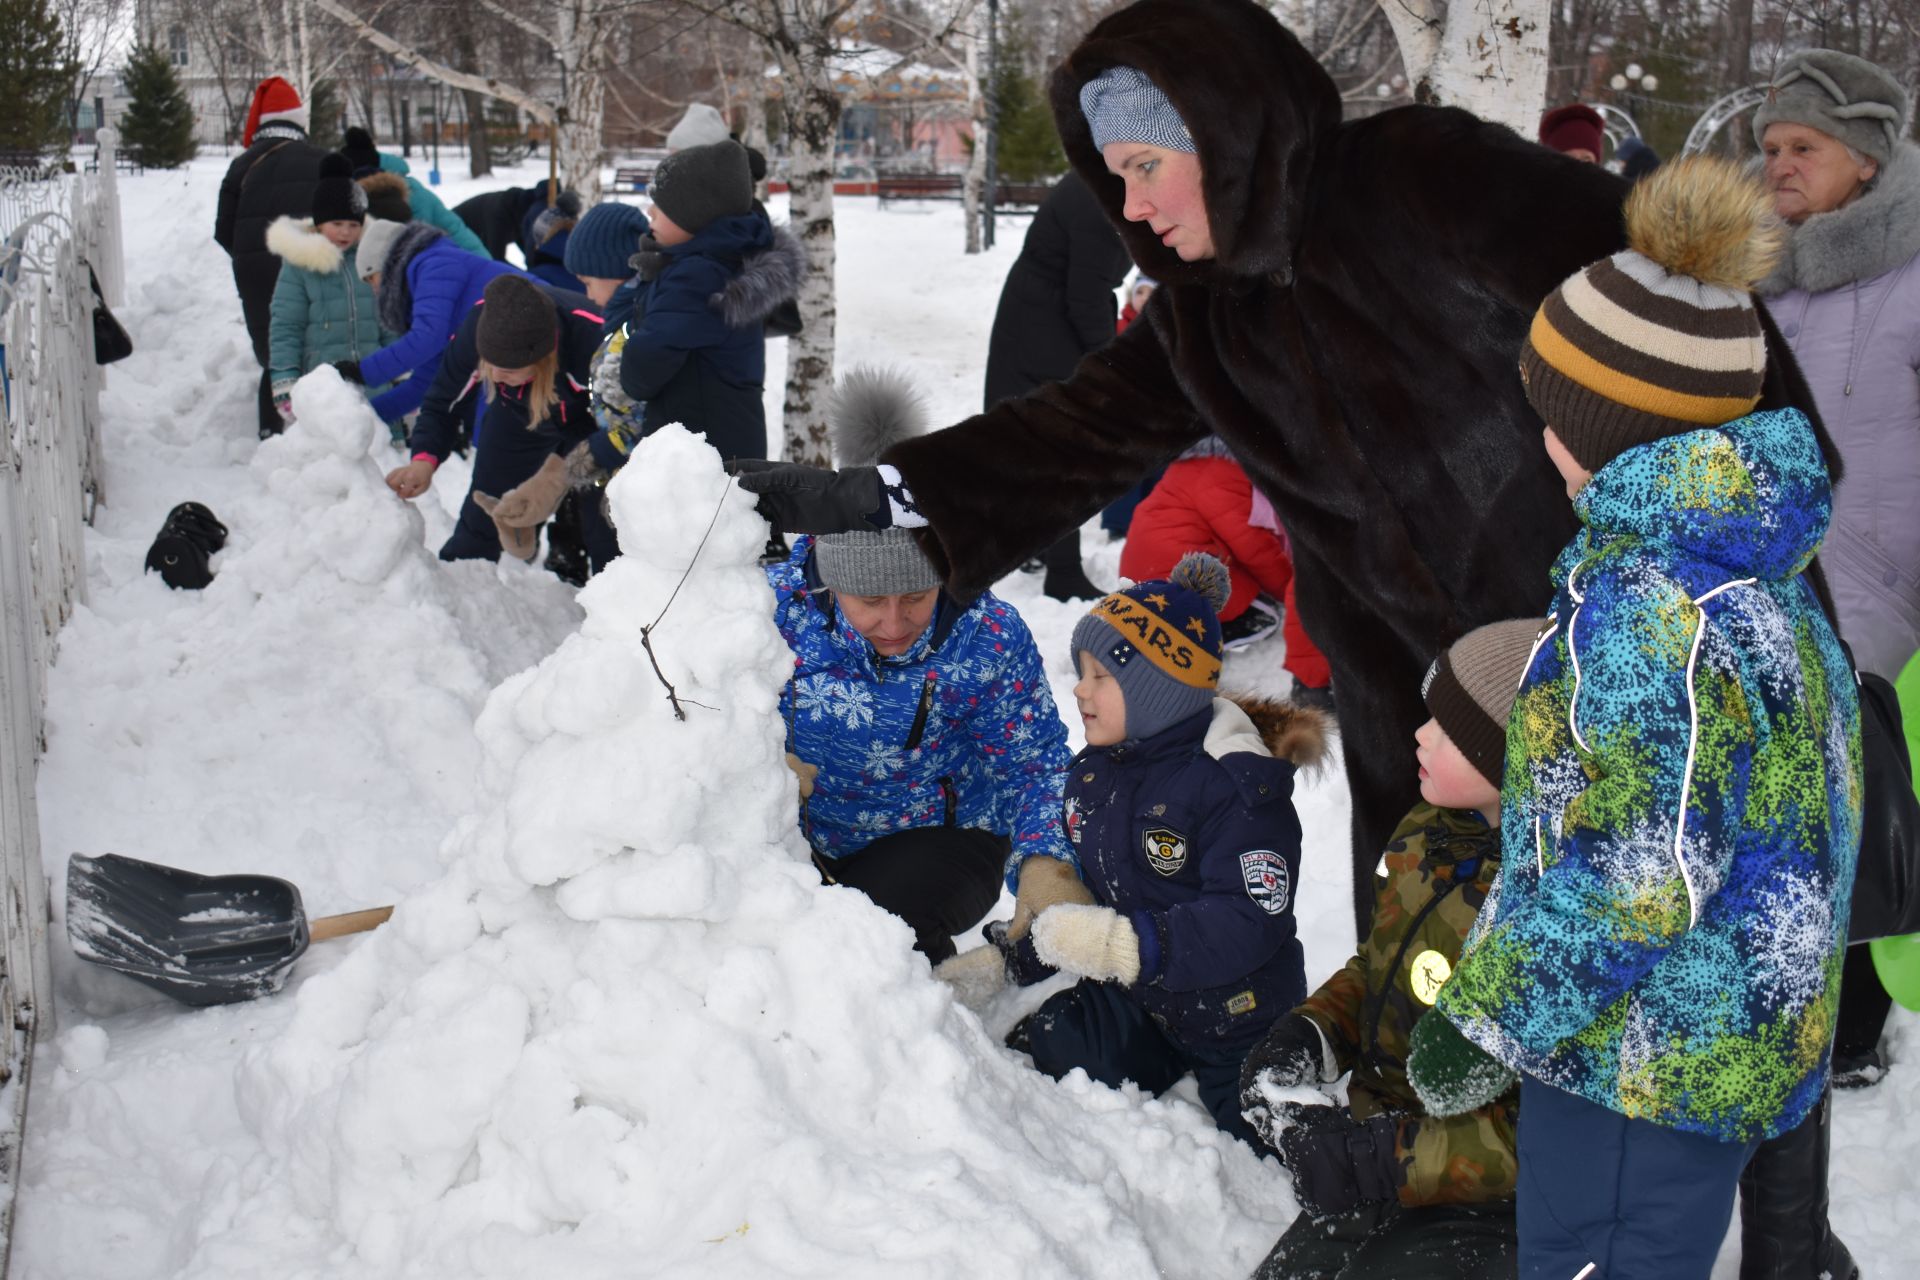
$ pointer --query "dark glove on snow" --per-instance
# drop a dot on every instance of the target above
(796, 498)
(349, 371)
(1451, 1073)
(1289, 1057)
(1338, 1164)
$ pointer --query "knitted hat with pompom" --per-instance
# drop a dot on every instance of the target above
(1161, 641)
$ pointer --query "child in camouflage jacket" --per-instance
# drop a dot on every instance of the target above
(1660, 958)
(1388, 1191)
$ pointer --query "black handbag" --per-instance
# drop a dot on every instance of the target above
(110, 338)
(186, 542)
(1886, 889)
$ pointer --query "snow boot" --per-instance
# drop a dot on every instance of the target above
(1784, 1234)
(1066, 579)
(567, 557)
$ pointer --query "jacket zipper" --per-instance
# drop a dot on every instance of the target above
(920, 715)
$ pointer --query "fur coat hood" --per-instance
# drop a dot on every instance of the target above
(295, 242)
(1268, 727)
(1870, 237)
(1217, 61)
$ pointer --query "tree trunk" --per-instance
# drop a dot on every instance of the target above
(1489, 58)
(474, 103)
(813, 125)
(979, 109)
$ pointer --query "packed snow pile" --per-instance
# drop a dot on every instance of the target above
(630, 1032)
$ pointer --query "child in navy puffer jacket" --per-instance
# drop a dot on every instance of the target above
(1184, 827)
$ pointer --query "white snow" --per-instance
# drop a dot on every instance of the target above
(616, 1026)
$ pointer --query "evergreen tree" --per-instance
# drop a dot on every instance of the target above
(35, 78)
(1029, 144)
(157, 129)
(323, 116)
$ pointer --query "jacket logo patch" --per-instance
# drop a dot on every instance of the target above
(1268, 883)
(1166, 850)
(1429, 973)
(1074, 820)
(1243, 1003)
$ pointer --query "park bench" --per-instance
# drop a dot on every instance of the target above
(633, 179)
(1011, 196)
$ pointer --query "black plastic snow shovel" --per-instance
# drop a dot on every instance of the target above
(201, 939)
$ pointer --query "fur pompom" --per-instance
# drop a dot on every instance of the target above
(1205, 576)
(1706, 218)
(872, 410)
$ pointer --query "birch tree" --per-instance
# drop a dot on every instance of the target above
(1486, 56)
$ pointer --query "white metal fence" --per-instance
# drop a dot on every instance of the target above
(53, 226)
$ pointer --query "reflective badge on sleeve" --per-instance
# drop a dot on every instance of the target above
(1268, 884)
(1429, 973)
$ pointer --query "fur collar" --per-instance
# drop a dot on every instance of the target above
(766, 280)
(396, 295)
(1260, 110)
(1268, 726)
(299, 245)
(1870, 237)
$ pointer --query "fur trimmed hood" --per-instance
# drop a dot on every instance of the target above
(396, 295)
(1269, 726)
(1259, 108)
(296, 243)
(1870, 237)
(766, 280)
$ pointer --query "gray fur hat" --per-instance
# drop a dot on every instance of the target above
(872, 410)
(701, 126)
(1842, 96)
(701, 185)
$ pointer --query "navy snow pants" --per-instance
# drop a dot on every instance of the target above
(1094, 1026)
(1603, 1197)
(505, 454)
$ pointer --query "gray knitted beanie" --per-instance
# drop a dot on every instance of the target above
(701, 185)
(701, 126)
(1122, 104)
(1843, 97)
(1471, 687)
(375, 240)
(518, 324)
(871, 411)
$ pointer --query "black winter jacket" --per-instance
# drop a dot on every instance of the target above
(1355, 341)
(273, 177)
(1057, 303)
(570, 422)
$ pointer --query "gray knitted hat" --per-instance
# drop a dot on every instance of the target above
(871, 411)
(518, 324)
(1122, 104)
(701, 185)
(1842, 96)
(1471, 687)
(374, 243)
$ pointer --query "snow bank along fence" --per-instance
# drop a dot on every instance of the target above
(53, 226)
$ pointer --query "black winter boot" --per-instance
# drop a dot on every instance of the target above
(1784, 1234)
(1066, 579)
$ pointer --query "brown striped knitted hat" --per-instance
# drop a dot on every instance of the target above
(1661, 338)
(1471, 687)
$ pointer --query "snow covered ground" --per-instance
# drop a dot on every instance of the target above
(615, 1027)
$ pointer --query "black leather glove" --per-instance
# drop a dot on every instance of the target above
(796, 498)
(1289, 1057)
(349, 370)
(1337, 1164)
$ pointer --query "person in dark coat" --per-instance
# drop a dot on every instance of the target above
(1056, 306)
(505, 218)
(273, 178)
(525, 349)
(1343, 302)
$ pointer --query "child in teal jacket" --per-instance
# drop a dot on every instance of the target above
(322, 310)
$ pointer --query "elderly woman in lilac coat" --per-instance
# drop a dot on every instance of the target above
(1847, 298)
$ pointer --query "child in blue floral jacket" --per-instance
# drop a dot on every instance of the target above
(1660, 959)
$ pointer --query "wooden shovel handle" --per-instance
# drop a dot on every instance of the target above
(350, 922)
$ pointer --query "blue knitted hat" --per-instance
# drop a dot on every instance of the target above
(1122, 105)
(603, 241)
(1161, 641)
